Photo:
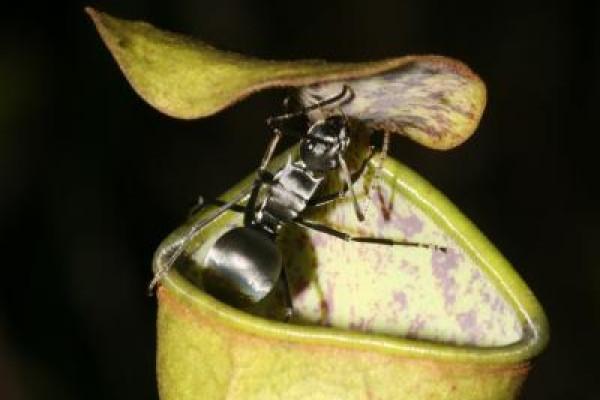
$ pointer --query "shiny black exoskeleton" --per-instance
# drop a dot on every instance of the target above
(245, 261)
(244, 265)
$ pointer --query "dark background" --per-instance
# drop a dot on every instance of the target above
(92, 178)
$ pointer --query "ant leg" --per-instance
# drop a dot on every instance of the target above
(289, 303)
(382, 156)
(265, 179)
(350, 185)
(346, 90)
(328, 198)
(278, 133)
(235, 207)
(164, 268)
(270, 149)
(275, 140)
(272, 122)
(365, 239)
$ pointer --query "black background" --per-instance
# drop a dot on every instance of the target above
(92, 178)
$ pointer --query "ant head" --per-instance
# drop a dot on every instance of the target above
(325, 141)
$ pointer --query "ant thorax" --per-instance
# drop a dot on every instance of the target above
(321, 151)
(293, 186)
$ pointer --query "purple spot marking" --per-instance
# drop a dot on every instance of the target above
(356, 325)
(397, 93)
(468, 324)
(443, 264)
(329, 300)
(475, 277)
(416, 325)
(409, 225)
(409, 269)
(399, 298)
(499, 305)
(319, 239)
(485, 296)
(467, 320)
(363, 324)
(368, 323)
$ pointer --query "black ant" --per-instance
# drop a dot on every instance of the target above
(244, 263)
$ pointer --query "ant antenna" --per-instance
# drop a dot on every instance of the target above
(346, 92)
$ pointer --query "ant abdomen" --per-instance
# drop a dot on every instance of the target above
(243, 265)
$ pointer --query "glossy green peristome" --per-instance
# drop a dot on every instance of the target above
(371, 321)
(439, 105)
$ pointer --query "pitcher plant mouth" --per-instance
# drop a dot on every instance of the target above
(466, 304)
